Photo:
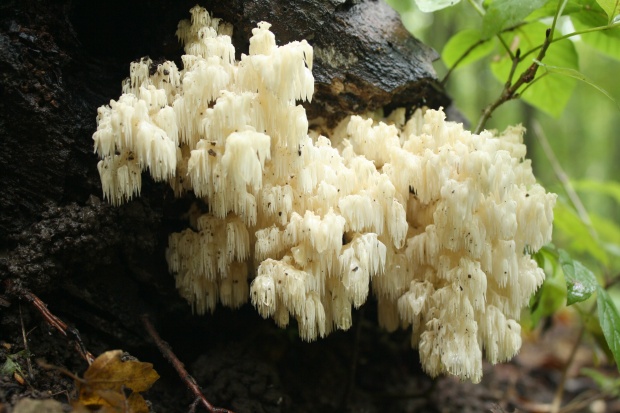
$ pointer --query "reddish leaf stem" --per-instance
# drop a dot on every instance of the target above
(51, 319)
(167, 352)
(510, 90)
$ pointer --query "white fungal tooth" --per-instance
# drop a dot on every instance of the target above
(436, 221)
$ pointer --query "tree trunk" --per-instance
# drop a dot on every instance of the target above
(100, 267)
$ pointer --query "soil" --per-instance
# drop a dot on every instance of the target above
(247, 364)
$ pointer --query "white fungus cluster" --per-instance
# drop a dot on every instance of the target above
(437, 221)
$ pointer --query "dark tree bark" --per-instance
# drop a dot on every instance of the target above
(99, 267)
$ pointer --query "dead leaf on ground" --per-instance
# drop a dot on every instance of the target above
(107, 380)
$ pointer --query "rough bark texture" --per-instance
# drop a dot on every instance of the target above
(100, 267)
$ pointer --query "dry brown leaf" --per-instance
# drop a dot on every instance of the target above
(106, 380)
(137, 403)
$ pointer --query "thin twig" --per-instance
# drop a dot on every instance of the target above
(51, 319)
(460, 59)
(167, 352)
(194, 405)
(576, 33)
(476, 45)
(45, 365)
(477, 7)
(510, 91)
(505, 45)
(582, 401)
(557, 399)
(532, 83)
(515, 62)
(60, 326)
(28, 362)
(482, 12)
(563, 178)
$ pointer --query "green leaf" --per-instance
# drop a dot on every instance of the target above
(428, 6)
(552, 93)
(463, 41)
(502, 14)
(577, 234)
(548, 299)
(608, 230)
(580, 281)
(608, 384)
(547, 258)
(610, 323)
(549, 9)
(551, 296)
(605, 41)
(9, 367)
(609, 188)
(400, 5)
(609, 233)
(576, 74)
(611, 7)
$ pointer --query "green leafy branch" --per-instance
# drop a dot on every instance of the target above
(510, 88)
(528, 75)
(517, 23)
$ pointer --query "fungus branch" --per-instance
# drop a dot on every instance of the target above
(436, 221)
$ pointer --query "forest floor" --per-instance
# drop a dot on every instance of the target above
(248, 365)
